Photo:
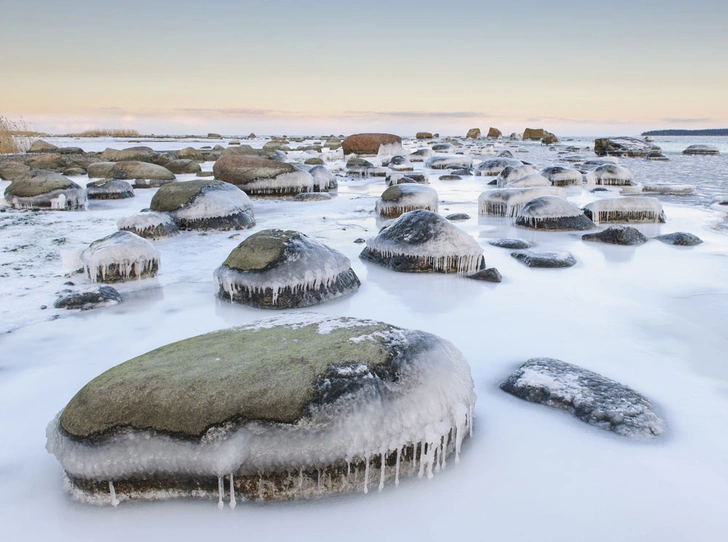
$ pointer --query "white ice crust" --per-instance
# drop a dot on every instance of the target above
(222, 200)
(609, 174)
(124, 249)
(294, 181)
(508, 202)
(529, 181)
(552, 207)
(441, 161)
(414, 196)
(625, 209)
(142, 221)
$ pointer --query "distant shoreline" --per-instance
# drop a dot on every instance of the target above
(710, 132)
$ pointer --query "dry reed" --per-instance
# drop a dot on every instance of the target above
(116, 132)
(15, 136)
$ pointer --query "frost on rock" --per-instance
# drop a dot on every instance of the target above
(544, 259)
(402, 198)
(563, 176)
(553, 213)
(205, 205)
(610, 175)
(42, 189)
(510, 174)
(119, 257)
(323, 179)
(149, 225)
(345, 409)
(277, 269)
(424, 242)
(589, 396)
(90, 298)
(109, 189)
(529, 181)
(448, 161)
(626, 209)
(669, 189)
(493, 166)
(508, 202)
(262, 177)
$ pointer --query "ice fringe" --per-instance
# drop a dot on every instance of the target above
(626, 209)
(120, 256)
(610, 175)
(507, 202)
(67, 199)
(150, 225)
(562, 176)
(411, 197)
(547, 209)
(293, 182)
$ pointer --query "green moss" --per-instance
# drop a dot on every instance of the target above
(260, 250)
(32, 185)
(237, 374)
(171, 197)
(393, 193)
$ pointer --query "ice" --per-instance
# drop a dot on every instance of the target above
(68, 199)
(511, 174)
(626, 209)
(411, 197)
(444, 161)
(507, 202)
(562, 176)
(224, 200)
(529, 181)
(285, 183)
(610, 175)
(149, 224)
(120, 256)
(493, 166)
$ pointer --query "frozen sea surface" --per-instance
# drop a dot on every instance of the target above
(652, 317)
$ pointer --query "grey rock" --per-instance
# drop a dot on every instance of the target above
(513, 244)
(617, 235)
(532, 258)
(458, 216)
(491, 274)
(623, 146)
(680, 239)
(102, 296)
(182, 166)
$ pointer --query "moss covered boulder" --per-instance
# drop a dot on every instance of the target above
(300, 406)
(371, 143)
(205, 205)
(282, 269)
(182, 166)
(402, 198)
(109, 189)
(145, 175)
(41, 189)
(260, 176)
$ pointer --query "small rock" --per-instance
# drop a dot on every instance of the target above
(458, 216)
(102, 296)
(533, 258)
(617, 235)
(680, 238)
(360, 240)
(490, 274)
(513, 244)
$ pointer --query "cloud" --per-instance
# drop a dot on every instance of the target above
(418, 114)
(673, 120)
(234, 111)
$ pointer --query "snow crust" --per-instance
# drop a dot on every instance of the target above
(223, 200)
(285, 183)
(414, 196)
(507, 202)
(626, 209)
(130, 255)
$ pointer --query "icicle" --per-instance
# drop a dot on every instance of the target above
(381, 473)
(471, 420)
(300, 479)
(318, 480)
(422, 460)
(443, 451)
(348, 468)
(233, 503)
(112, 491)
(458, 441)
(366, 475)
(260, 486)
(396, 470)
(220, 492)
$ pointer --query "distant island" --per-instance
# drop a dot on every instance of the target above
(711, 132)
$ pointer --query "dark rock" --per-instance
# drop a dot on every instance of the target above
(368, 143)
(490, 274)
(360, 240)
(312, 196)
(617, 235)
(513, 244)
(450, 178)
(532, 258)
(623, 146)
(589, 396)
(702, 150)
(109, 189)
(494, 133)
(458, 216)
(681, 239)
(103, 296)
(40, 146)
(473, 133)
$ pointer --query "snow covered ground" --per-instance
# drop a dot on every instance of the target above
(652, 317)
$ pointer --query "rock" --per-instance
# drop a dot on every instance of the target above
(589, 396)
(617, 235)
(205, 205)
(402, 198)
(513, 244)
(623, 146)
(190, 153)
(259, 176)
(70, 150)
(473, 133)
(41, 189)
(360, 240)
(491, 274)
(610, 175)
(549, 139)
(411, 177)
(704, 150)
(625, 209)
(494, 133)
(46, 161)
(552, 213)
(423, 135)
(109, 189)
(40, 146)
(313, 196)
(507, 154)
(669, 189)
(563, 176)
(656, 156)
(277, 269)
(400, 163)
(277, 146)
(213, 135)
(183, 166)
(355, 162)
(446, 148)
(458, 216)
(507, 202)
(681, 239)
(11, 170)
(314, 162)
(266, 409)
(534, 134)
(135, 154)
(450, 178)
(92, 298)
(149, 225)
(145, 175)
(494, 166)
(532, 258)
(446, 161)
(74, 171)
(371, 143)
(420, 155)
(424, 242)
(323, 179)
(510, 174)
(100, 170)
(119, 257)
(528, 181)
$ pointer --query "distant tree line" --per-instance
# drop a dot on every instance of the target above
(711, 132)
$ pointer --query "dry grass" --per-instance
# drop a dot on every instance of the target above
(14, 136)
(118, 132)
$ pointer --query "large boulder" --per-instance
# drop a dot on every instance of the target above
(510, 174)
(371, 143)
(681, 239)
(702, 150)
(40, 146)
(402, 198)
(138, 154)
(473, 133)
(534, 134)
(182, 166)
(11, 170)
(563, 176)
(507, 202)
(53, 161)
(494, 133)
(423, 135)
(100, 170)
(552, 213)
(544, 259)
(610, 175)
(589, 396)
(41, 189)
(205, 205)
(268, 412)
(260, 176)
(492, 167)
(623, 146)
(149, 225)
(190, 153)
(449, 161)
(626, 209)
(424, 242)
(277, 269)
(144, 174)
(119, 257)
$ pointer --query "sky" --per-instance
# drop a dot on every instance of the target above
(303, 67)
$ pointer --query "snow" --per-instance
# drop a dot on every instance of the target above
(220, 201)
(641, 315)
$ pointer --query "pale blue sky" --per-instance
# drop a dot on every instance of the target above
(308, 67)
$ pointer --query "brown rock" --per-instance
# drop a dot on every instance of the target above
(494, 132)
(368, 143)
(423, 135)
(473, 133)
(533, 133)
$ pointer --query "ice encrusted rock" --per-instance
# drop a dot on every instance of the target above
(262, 177)
(149, 225)
(610, 175)
(703, 150)
(513, 244)
(617, 235)
(507, 202)
(283, 269)
(623, 146)
(553, 213)
(510, 174)
(628, 209)
(543, 259)
(323, 179)
(563, 176)
(119, 257)
(205, 205)
(109, 189)
(531, 180)
(669, 189)
(493, 166)
(424, 242)
(42, 189)
(680, 238)
(91, 298)
(589, 396)
(372, 144)
(420, 155)
(446, 161)
(296, 407)
(402, 198)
